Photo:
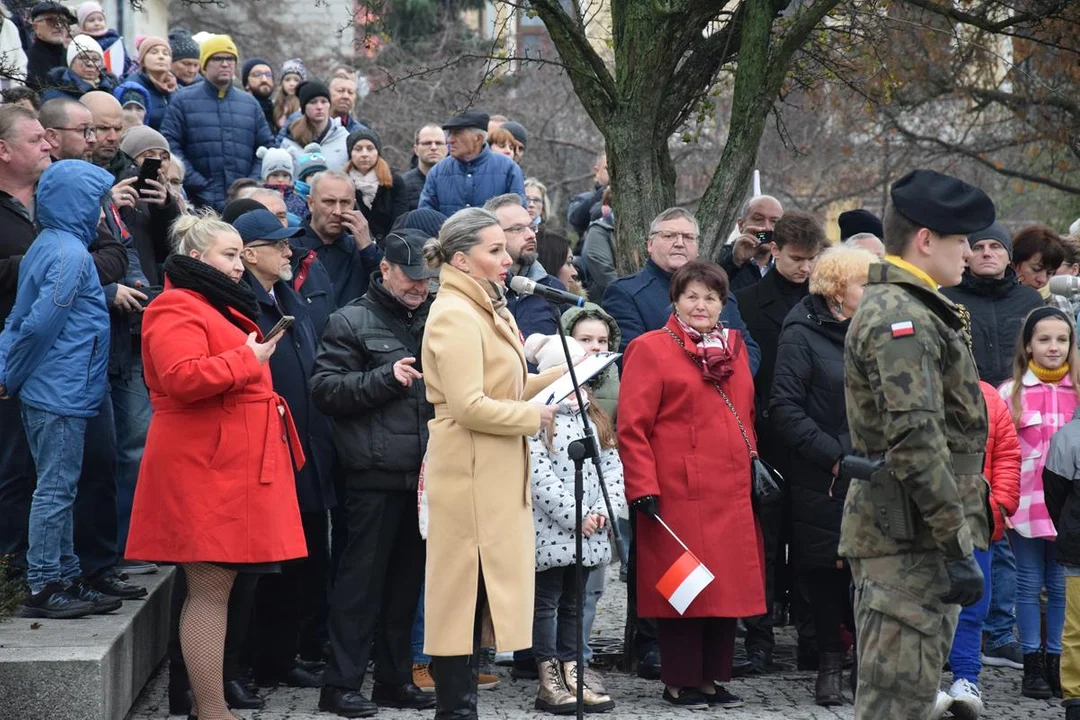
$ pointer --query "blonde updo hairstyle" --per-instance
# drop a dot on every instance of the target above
(458, 235)
(197, 232)
(837, 268)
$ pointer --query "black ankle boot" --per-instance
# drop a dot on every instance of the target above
(239, 697)
(827, 692)
(1034, 684)
(455, 686)
(1053, 673)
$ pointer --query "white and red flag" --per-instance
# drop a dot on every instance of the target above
(115, 58)
(685, 579)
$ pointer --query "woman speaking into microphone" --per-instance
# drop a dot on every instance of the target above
(481, 544)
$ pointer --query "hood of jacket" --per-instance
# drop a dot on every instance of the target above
(988, 286)
(69, 196)
(813, 312)
(333, 132)
(65, 79)
(592, 311)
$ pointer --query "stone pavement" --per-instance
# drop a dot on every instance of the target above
(786, 695)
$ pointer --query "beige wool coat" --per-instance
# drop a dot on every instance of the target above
(477, 470)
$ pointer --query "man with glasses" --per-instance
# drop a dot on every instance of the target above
(257, 77)
(51, 23)
(214, 154)
(69, 128)
(429, 147)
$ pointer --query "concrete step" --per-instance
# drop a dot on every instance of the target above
(92, 668)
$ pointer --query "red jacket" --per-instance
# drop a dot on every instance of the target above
(216, 481)
(678, 440)
(1002, 469)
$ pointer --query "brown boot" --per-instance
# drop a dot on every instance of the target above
(596, 700)
(553, 696)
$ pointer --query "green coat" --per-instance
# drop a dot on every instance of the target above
(605, 387)
(913, 396)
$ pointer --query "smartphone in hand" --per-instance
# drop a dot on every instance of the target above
(150, 170)
(282, 325)
(765, 236)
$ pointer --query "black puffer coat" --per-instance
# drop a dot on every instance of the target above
(808, 417)
(380, 426)
(998, 308)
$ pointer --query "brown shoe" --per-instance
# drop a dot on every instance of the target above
(596, 699)
(421, 677)
(486, 681)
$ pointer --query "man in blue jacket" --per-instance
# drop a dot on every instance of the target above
(215, 128)
(54, 353)
(472, 174)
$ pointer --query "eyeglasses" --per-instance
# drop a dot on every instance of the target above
(516, 229)
(87, 132)
(280, 245)
(53, 21)
(261, 74)
(222, 59)
(668, 236)
(535, 200)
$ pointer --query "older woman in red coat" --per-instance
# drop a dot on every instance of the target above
(685, 461)
(215, 491)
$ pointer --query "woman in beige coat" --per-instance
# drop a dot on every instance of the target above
(481, 546)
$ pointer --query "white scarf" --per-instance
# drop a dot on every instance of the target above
(367, 183)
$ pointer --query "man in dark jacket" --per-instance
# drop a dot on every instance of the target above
(748, 258)
(340, 236)
(369, 380)
(798, 238)
(257, 77)
(472, 174)
(291, 605)
(998, 304)
(429, 148)
(532, 313)
(215, 128)
(51, 22)
(584, 207)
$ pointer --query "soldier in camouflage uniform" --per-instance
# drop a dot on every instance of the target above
(914, 404)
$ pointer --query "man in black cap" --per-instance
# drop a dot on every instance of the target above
(858, 221)
(916, 505)
(257, 77)
(472, 174)
(51, 23)
(368, 379)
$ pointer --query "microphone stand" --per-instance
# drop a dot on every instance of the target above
(580, 450)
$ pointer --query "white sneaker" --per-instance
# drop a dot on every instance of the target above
(942, 704)
(967, 703)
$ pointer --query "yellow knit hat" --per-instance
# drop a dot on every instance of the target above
(216, 44)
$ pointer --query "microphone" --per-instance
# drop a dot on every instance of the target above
(525, 286)
(1061, 285)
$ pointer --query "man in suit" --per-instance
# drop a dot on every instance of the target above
(798, 238)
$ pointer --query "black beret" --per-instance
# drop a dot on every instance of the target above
(942, 203)
(858, 221)
(469, 119)
(309, 90)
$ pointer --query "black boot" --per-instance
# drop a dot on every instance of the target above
(1072, 712)
(1034, 684)
(827, 692)
(239, 697)
(455, 686)
(1053, 673)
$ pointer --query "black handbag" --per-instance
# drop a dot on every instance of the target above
(766, 483)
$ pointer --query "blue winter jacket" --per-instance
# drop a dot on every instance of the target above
(54, 350)
(63, 82)
(216, 134)
(452, 184)
(155, 101)
(639, 303)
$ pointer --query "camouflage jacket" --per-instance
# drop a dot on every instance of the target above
(913, 397)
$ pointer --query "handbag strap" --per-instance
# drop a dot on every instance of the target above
(697, 361)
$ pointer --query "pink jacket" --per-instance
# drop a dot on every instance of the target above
(1045, 409)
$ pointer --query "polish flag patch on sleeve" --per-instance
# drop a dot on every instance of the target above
(902, 329)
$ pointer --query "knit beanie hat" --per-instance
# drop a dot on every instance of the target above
(183, 46)
(425, 219)
(87, 9)
(248, 67)
(295, 66)
(275, 160)
(309, 90)
(518, 131)
(141, 138)
(995, 231)
(216, 44)
(363, 134)
(149, 43)
(83, 44)
(311, 162)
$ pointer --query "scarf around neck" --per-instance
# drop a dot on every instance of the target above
(166, 84)
(713, 351)
(1046, 374)
(366, 183)
(221, 291)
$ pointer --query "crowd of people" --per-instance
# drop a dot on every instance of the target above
(237, 341)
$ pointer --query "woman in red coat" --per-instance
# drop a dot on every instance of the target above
(685, 460)
(215, 491)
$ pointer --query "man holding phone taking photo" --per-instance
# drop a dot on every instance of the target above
(748, 259)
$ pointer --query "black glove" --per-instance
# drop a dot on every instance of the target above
(966, 582)
(648, 505)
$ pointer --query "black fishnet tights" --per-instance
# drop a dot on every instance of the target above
(203, 620)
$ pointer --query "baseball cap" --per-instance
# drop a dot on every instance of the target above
(263, 225)
(405, 248)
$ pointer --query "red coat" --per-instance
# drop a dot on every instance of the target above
(216, 482)
(678, 440)
(1002, 469)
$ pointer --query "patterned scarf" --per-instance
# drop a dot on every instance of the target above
(366, 183)
(713, 350)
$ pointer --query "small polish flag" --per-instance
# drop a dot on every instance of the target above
(684, 581)
(902, 329)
